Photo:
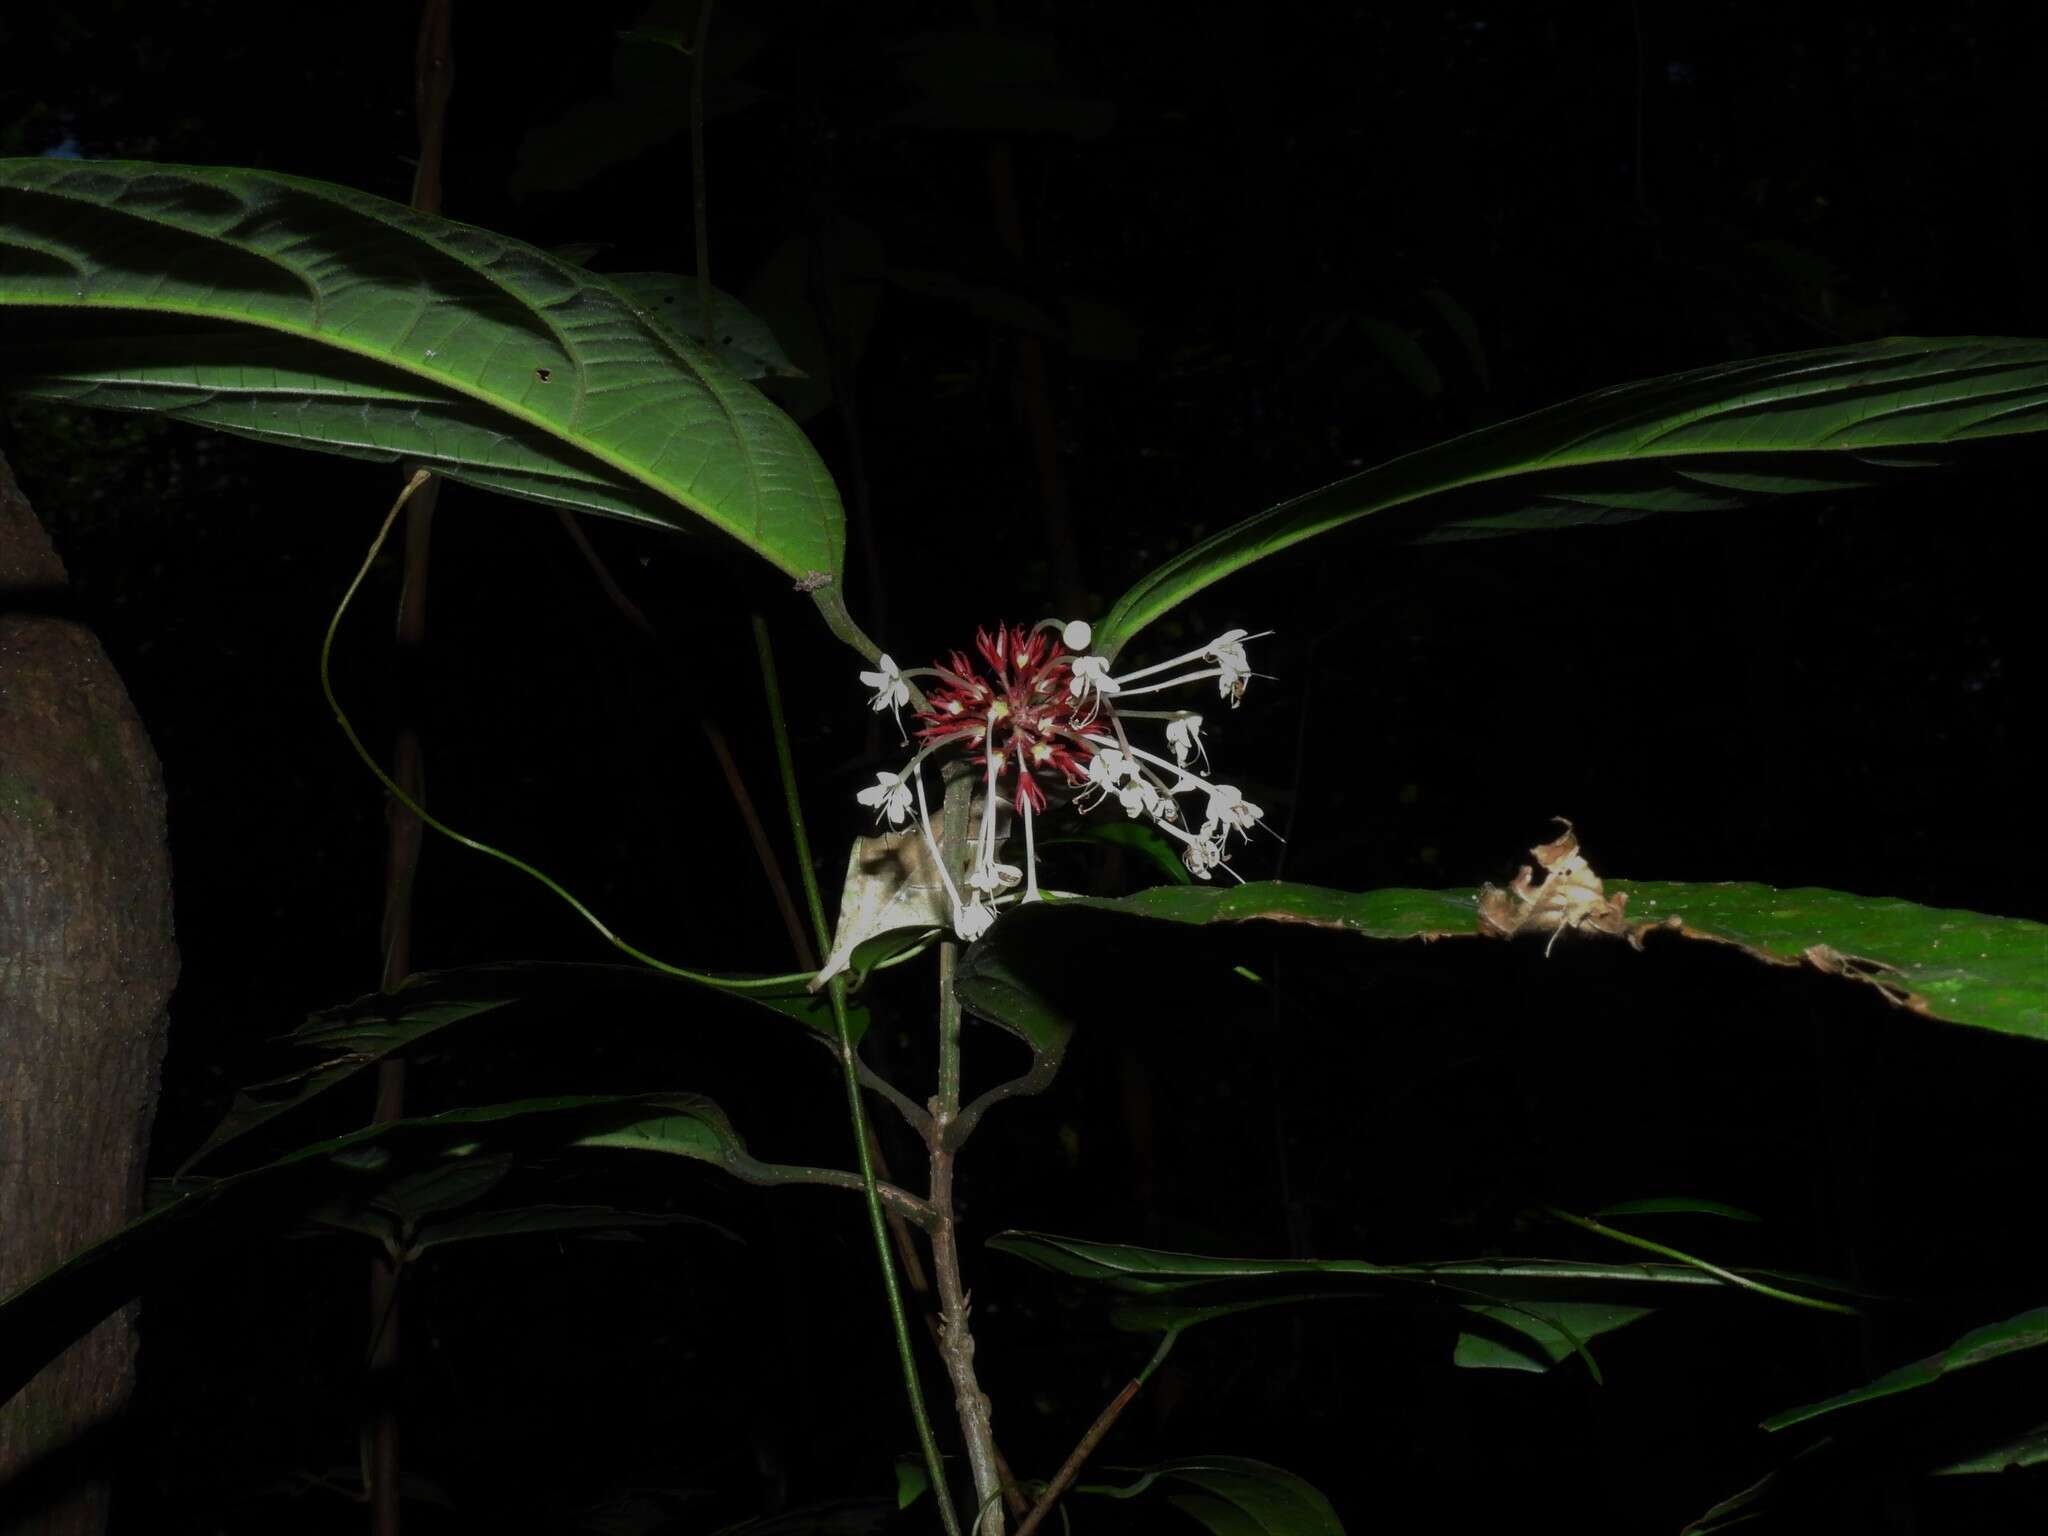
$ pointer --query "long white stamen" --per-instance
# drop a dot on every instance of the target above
(924, 820)
(985, 847)
(1030, 846)
(1234, 637)
(1175, 769)
(1171, 682)
(1195, 655)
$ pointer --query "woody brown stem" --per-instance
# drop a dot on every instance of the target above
(956, 1339)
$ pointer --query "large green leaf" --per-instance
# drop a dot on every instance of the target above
(1969, 1409)
(1521, 1314)
(741, 338)
(1712, 438)
(419, 1156)
(355, 1036)
(2027, 1331)
(1963, 967)
(203, 1215)
(307, 313)
(1232, 1496)
(1156, 1272)
(406, 1241)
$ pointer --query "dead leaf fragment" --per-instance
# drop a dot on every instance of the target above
(1570, 895)
(891, 883)
(1828, 959)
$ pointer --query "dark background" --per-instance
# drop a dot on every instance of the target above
(1261, 248)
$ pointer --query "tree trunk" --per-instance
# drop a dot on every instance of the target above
(86, 966)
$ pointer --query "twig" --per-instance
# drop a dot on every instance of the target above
(956, 1339)
(1077, 1458)
(935, 1468)
(433, 80)
(915, 1115)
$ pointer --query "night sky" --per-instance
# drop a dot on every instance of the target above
(1218, 257)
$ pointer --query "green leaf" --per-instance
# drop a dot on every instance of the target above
(1008, 997)
(913, 1482)
(356, 1036)
(1713, 438)
(1889, 1429)
(446, 1184)
(376, 331)
(1141, 838)
(2025, 1450)
(741, 338)
(39, 1321)
(1156, 1272)
(1676, 1206)
(1518, 1314)
(1962, 967)
(2027, 1331)
(1232, 1496)
(359, 1035)
(549, 1220)
(887, 947)
(296, 394)
(1537, 1338)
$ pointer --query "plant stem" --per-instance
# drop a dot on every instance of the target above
(697, 190)
(411, 803)
(1588, 1224)
(714, 738)
(935, 1467)
(956, 1340)
(433, 79)
(1077, 1458)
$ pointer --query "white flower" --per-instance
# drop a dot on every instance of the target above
(1113, 773)
(1200, 857)
(973, 920)
(1090, 675)
(890, 796)
(1229, 810)
(891, 692)
(1233, 668)
(1108, 768)
(1185, 737)
(992, 879)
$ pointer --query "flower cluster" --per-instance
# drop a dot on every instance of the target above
(1039, 712)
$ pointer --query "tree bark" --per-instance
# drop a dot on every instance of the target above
(86, 967)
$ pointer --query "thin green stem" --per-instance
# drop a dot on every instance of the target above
(831, 605)
(1587, 1224)
(697, 188)
(391, 787)
(935, 1467)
